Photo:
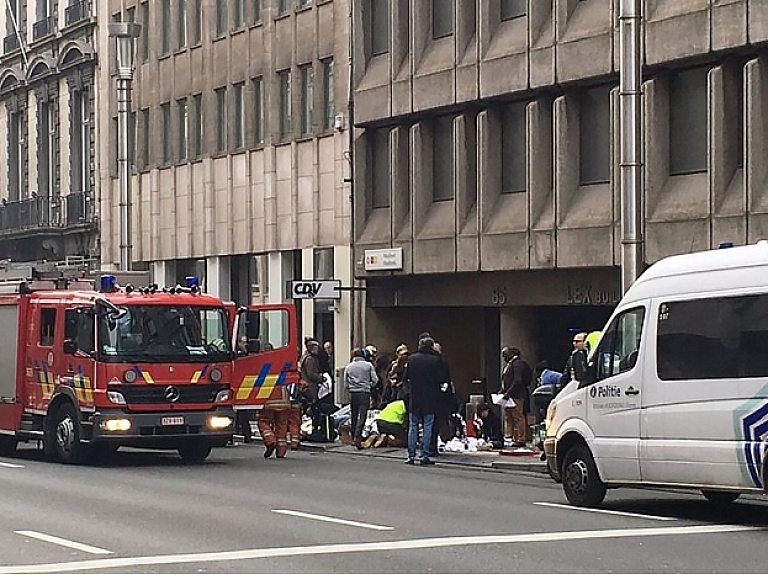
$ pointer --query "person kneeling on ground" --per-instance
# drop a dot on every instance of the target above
(490, 426)
(391, 425)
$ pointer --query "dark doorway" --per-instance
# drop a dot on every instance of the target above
(558, 326)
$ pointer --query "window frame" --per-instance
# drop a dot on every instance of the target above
(609, 333)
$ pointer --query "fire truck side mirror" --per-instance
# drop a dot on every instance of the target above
(70, 347)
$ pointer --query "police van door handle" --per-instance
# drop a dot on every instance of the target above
(631, 391)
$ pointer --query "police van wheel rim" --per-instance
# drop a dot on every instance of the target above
(577, 477)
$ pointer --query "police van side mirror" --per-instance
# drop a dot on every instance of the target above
(70, 347)
(590, 375)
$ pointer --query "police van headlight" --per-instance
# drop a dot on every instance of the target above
(219, 422)
(116, 397)
(223, 396)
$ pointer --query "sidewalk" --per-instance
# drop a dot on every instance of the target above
(489, 460)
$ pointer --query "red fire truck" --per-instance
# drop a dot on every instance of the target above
(83, 369)
(92, 370)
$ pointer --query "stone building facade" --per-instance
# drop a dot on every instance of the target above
(487, 149)
(48, 96)
(241, 143)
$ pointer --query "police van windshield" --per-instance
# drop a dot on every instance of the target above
(159, 333)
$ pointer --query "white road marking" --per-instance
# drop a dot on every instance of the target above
(378, 546)
(11, 465)
(63, 542)
(605, 511)
(332, 520)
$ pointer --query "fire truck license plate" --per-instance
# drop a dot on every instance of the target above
(172, 421)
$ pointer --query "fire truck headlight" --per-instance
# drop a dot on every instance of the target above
(116, 424)
(129, 376)
(223, 396)
(219, 422)
(116, 397)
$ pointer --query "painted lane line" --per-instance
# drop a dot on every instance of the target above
(11, 465)
(605, 511)
(379, 546)
(63, 542)
(332, 520)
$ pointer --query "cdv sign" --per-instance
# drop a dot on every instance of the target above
(316, 289)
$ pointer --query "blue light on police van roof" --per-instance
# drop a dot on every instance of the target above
(108, 283)
(192, 281)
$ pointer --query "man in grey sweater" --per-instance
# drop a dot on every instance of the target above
(359, 378)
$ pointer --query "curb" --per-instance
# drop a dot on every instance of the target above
(538, 467)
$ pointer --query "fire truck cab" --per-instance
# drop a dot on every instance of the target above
(85, 369)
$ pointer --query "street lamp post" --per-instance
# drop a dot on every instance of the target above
(632, 256)
(125, 34)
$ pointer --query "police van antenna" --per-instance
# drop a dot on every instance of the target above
(15, 23)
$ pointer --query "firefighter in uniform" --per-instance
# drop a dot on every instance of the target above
(273, 426)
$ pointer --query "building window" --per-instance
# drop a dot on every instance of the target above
(256, 11)
(513, 148)
(197, 125)
(307, 98)
(44, 24)
(442, 18)
(239, 126)
(182, 22)
(165, 25)
(283, 6)
(196, 29)
(144, 38)
(165, 110)
(81, 139)
(379, 26)
(183, 112)
(258, 98)
(688, 125)
(378, 163)
(17, 154)
(595, 136)
(511, 9)
(284, 78)
(221, 119)
(239, 17)
(442, 158)
(329, 98)
(221, 17)
(47, 138)
(144, 149)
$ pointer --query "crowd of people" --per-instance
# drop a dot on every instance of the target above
(413, 397)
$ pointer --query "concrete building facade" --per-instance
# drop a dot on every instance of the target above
(49, 91)
(241, 145)
(487, 148)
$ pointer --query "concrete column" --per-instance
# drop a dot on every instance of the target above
(519, 328)
(163, 273)
(307, 319)
(280, 271)
(218, 279)
(342, 325)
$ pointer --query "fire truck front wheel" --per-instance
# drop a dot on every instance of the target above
(63, 433)
(194, 452)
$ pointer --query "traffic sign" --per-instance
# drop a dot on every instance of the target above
(316, 289)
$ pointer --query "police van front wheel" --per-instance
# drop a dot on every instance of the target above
(581, 482)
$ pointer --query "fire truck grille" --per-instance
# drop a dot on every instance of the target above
(149, 394)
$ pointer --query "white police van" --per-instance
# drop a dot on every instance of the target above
(677, 388)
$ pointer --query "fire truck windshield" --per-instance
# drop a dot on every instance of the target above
(161, 333)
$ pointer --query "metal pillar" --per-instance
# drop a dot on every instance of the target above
(125, 34)
(632, 253)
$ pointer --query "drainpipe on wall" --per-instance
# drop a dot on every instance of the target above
(630, 79)
(354, 321)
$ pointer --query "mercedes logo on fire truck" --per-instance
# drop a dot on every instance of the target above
(172, 393)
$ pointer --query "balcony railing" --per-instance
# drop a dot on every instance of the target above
(76, 12)
(42, 28)
(10, 43)
(46, 212)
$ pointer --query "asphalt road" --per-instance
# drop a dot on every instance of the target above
(147, 512)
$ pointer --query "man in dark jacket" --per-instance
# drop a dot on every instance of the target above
(576, 365)
(424, 373)
(515, 380)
